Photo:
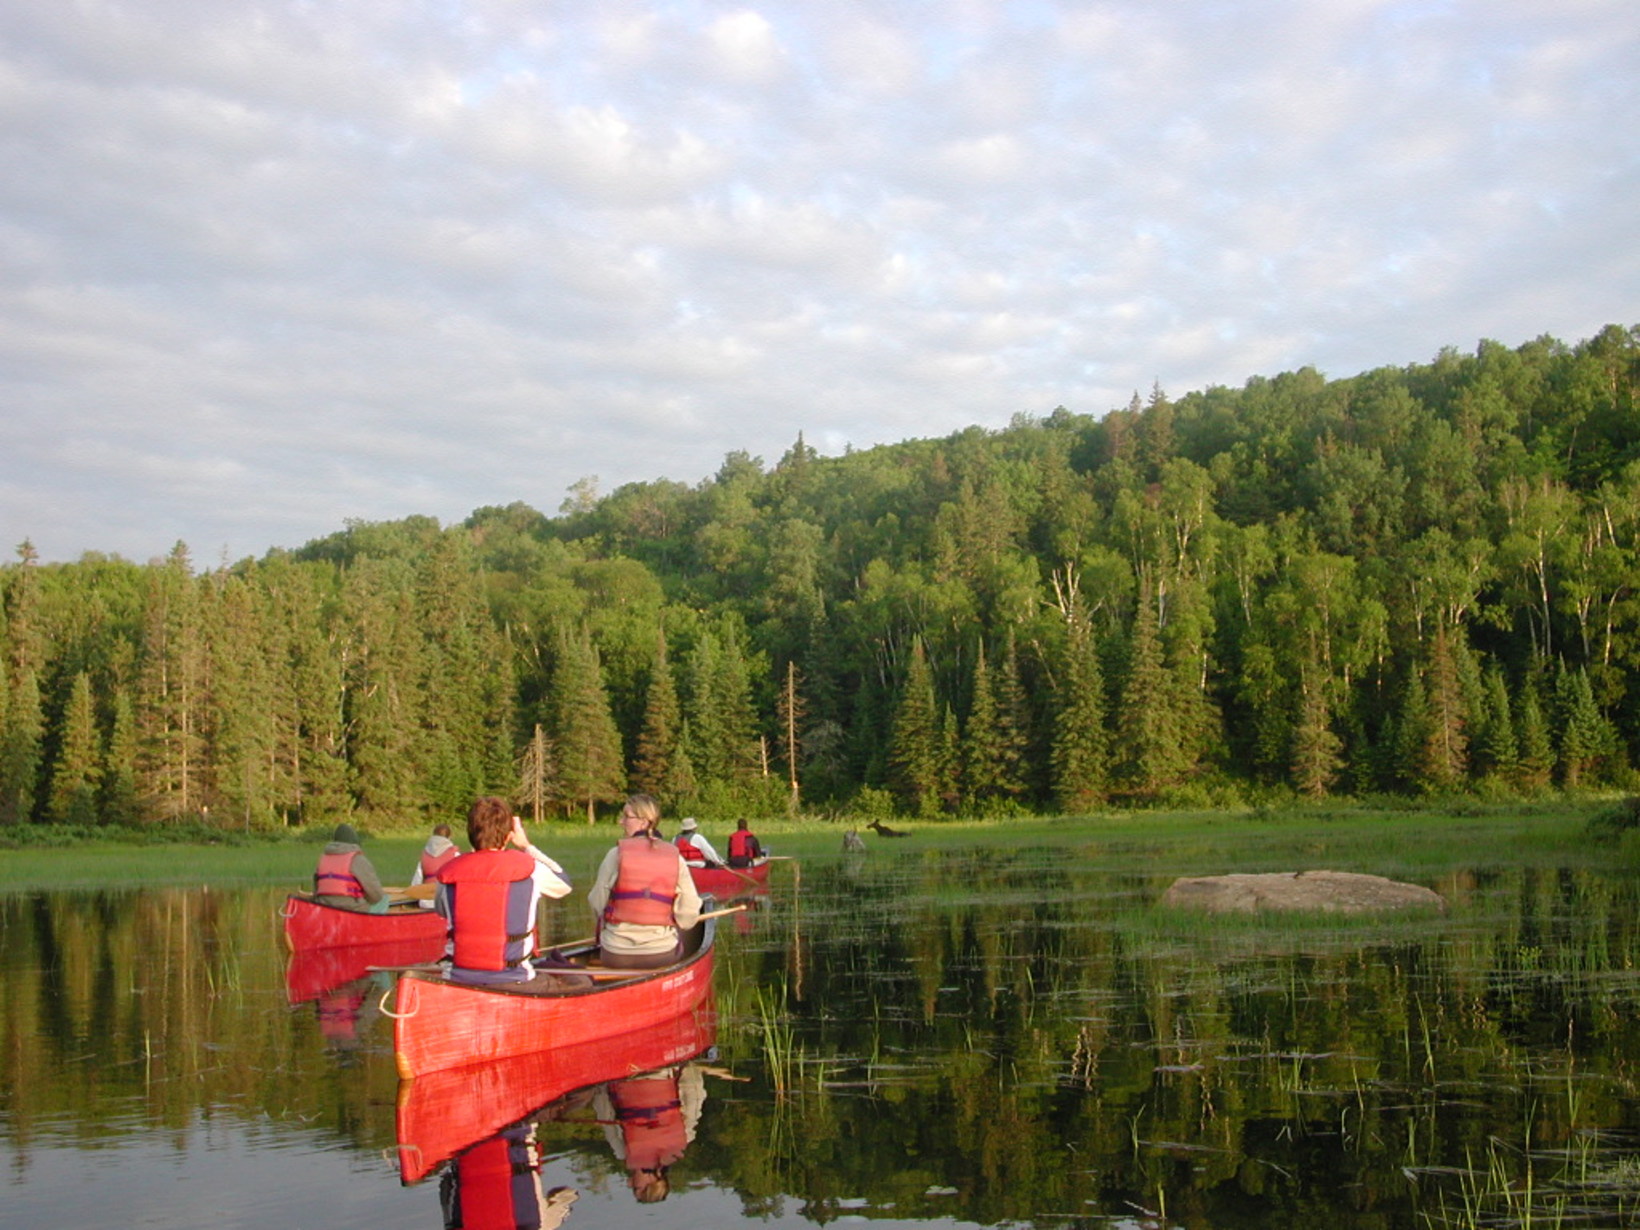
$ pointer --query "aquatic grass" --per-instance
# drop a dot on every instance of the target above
(780, 1052)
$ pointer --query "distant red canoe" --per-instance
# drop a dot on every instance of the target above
(439, 1024)
(442, 1113)
(726, 882)
(311, 925)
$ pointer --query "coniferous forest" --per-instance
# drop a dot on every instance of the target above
(1420, 580)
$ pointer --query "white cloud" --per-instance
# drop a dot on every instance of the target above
(264, 269)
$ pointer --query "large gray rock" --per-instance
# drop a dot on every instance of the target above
(1341, 892)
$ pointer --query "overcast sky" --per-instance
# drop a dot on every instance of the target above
(267, 267)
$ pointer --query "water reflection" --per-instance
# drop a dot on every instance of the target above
(345, 985)
(496, 1185)
(930, 1039)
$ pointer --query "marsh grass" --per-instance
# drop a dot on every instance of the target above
(1400, 838)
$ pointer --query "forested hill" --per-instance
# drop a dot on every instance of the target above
(1423, 579)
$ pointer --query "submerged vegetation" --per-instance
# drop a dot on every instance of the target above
(1421, 581)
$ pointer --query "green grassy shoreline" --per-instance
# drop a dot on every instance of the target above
(1410, 841)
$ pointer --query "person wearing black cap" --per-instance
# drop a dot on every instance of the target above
(344, 876)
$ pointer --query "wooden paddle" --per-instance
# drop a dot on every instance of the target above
(735, 871)
(424, 891)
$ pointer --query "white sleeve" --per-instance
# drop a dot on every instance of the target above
(549, 877)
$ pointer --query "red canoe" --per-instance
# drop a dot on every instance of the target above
(311, 925)
(443, 1112)
(726, 882)
(439, 1024)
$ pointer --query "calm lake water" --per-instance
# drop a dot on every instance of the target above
(933, 1040)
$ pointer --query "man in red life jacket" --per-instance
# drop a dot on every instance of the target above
(438, 851)
(744, 849)
(643, 895)
(490, 897)
(694, 847)
(344, 876)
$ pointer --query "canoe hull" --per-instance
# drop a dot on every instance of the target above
(725, 882)
(442, 1113)
(439, 1024)
(309, 924)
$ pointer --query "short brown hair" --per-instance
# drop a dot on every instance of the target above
(489, 822)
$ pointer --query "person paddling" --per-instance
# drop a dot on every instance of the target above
(694, 847)
(643, 894)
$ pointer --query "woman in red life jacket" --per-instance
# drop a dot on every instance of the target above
(438, 851)
(344, 876)
(490, 897)
(744, 849)
(694, 847)
(643, 894)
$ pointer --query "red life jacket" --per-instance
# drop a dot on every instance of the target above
(432, 863)
(743, 847)
(334, 876)
(646, 883)
(651, 1119)
(490, 894)
(495, 1183)
(690, 851)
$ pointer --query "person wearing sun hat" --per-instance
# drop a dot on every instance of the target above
(344, 876)
(694, 847)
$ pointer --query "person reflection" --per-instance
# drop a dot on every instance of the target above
(649, 1120)
(496, 1185)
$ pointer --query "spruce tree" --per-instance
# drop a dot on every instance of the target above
(173, 690)
(981, 774)
(1445, 756)
(1316, 758)
(916, 747)
(74, 778)
(1497, 751)
(1014, 727)
(1148, 738)
(582, 727)
(387, 749)
(20, 750)
(1585, 736)
(1080, 744)
(1537, 755)
(244, 706)
(118, 803)
(1412, 736)
(658, 738)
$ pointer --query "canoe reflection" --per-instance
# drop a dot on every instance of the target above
(445, 1112)
(340, 982)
